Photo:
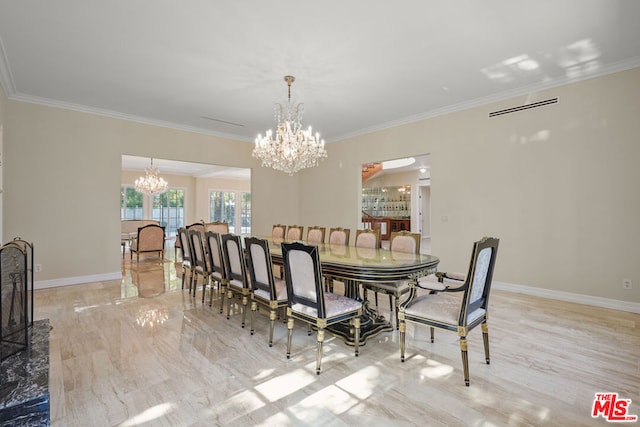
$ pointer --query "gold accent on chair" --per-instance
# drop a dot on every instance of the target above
(265, 288)
(454, 305)
(236, 273)
(315, 235)
(307, 300)
(295, 232)
(150, 238)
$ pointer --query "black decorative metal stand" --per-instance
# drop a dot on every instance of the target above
(16, 296)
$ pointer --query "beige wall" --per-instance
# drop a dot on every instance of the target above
(63, 176)
(558, 185)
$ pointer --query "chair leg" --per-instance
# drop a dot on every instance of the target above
(229, 296)
(272, 323)
(432, 333)
(394, 309)
(320, 338)
(465, 359)
(485, 338)
(254, 308)
(403, 328)
(245, 303)
(223, 287)
(356, 332)
(195, 286)
(290, 334)
(184, 272)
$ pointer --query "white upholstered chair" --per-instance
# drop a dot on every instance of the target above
(309, 303)
(454, 302)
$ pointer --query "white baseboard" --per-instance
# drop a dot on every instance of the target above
(68, 281)
(614, 304)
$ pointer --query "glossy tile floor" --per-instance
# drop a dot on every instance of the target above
(143, 352)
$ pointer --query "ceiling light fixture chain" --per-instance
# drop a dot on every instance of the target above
(291, 148)
(151, 183)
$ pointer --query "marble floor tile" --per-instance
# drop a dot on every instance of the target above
(142, 352)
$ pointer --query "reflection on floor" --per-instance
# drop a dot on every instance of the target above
(141, 351)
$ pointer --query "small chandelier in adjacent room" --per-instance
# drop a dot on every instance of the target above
(291, 148)
(151, 183)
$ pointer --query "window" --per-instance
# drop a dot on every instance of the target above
(130, 203)
(168, 208)
(222, 207)
(245, 213)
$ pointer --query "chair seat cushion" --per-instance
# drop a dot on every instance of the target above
(443, 307)
(335, 305)
(234, 283)
(281, 291)
(216, 276)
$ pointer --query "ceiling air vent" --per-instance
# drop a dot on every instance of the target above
(524, 107)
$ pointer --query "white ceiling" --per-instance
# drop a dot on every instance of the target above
(359, 65)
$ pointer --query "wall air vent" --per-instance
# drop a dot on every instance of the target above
(524, 107)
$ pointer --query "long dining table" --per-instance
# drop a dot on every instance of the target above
(353, 265)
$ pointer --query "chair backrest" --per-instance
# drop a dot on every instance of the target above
(367, 238)
(315, 235)
(339, 236)
(303, 277)
(260, 267)
(214, 253)
(294, 232)
(197, 249)
(185, 247)
(234, 260)
(405, 241)
(150, 237)
(479, 277)
(178, 243)
(217, 227)
(278, 231)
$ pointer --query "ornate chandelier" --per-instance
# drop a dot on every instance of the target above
(291, 148)
(151, 183)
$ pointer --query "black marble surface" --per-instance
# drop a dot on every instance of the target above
(24, 382)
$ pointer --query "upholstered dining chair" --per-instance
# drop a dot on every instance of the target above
(178, 243)
(294, 232)
(265, 289)
(199, 260)
(215, 257)
(236, 273)
(400, 242)
(454, 302)
(185, 249)
(307, 300)
(315, 235)
(278, 231)
(338, 236)
(150, 238)
(217, 227)
(367, 238)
